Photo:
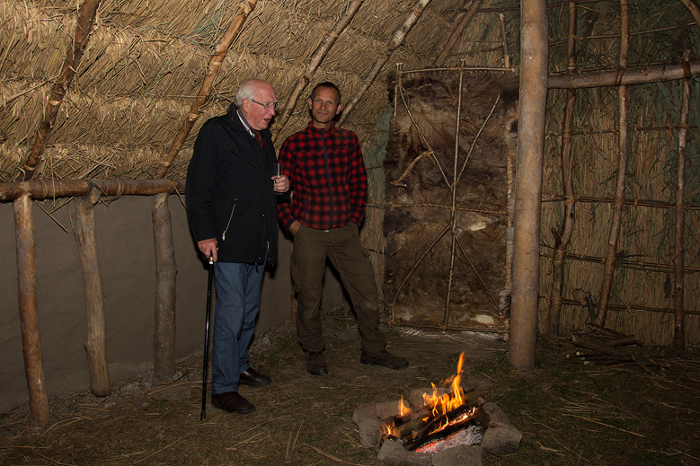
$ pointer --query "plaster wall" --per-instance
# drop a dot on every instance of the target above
(127, 262)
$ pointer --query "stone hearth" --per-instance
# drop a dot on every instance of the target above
(500, 436)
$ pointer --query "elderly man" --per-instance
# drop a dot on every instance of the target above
(231, 206)
(325, 166)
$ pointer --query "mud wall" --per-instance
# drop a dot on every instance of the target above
(127, 261)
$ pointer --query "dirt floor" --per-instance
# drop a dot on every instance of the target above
(569, 413)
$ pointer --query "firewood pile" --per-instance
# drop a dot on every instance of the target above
(605, 347)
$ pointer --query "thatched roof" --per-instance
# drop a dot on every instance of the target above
(146, 60)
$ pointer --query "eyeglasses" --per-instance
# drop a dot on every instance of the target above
(268, 107)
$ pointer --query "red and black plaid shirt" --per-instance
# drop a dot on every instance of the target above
(328, 177)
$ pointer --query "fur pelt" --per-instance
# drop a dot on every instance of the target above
(419, 198)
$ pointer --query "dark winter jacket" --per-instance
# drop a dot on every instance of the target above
(229, 191)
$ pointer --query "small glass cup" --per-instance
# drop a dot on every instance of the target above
(277, 170)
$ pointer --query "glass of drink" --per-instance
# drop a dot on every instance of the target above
(277, 169)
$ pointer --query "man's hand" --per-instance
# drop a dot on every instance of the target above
(208, 247)
(294, 227)
(281, 184)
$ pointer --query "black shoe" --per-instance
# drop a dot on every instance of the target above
(232, 402)
(315, 363)
(253, 378)
(385, 359)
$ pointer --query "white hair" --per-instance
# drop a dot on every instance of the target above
(248, 90)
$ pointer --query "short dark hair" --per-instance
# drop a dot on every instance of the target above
(327, 85)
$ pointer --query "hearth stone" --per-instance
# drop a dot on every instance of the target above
(500, 437)
(393, 453)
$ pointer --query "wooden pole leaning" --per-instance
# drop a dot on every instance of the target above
(315, 61)
(244, 10)
(95, 345)
(86, 16)
(615, 228)
(394, 43)
(28, 310)
(459, 25)
(679, 272)
(166, 273)
(563, 237)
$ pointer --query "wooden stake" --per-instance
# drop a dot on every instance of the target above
(166, 273)
(616, 226)
(396, 40)
(678, 314)
(95, 346)
(28, 310)
(561, 241)
(315, 61)
(244, 9)
(86, 15)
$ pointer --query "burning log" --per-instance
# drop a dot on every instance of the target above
(440, 427)
(438, 419)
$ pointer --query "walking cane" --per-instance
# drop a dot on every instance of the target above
(205, 369)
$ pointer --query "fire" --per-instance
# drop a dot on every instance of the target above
(435, 405)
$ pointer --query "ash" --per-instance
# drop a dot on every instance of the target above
(472, 435)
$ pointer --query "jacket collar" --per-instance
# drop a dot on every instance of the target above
(312, 128)
(238, 121)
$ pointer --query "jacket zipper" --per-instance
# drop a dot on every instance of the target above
(223, 235)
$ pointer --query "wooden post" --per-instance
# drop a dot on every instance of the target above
(528, 183)
(166, 273)
(95, 346)
(561, 239)
(28, 310)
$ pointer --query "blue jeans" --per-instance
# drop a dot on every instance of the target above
(237, 305)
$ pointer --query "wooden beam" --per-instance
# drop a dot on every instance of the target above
(28, 311)
(652, 74)
(47, 189)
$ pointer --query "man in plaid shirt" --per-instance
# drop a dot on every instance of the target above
(326, 172)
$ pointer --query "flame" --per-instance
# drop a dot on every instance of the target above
(442, 404)
(403, 409)
(438, 403)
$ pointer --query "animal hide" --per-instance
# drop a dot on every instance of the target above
(424, 244)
